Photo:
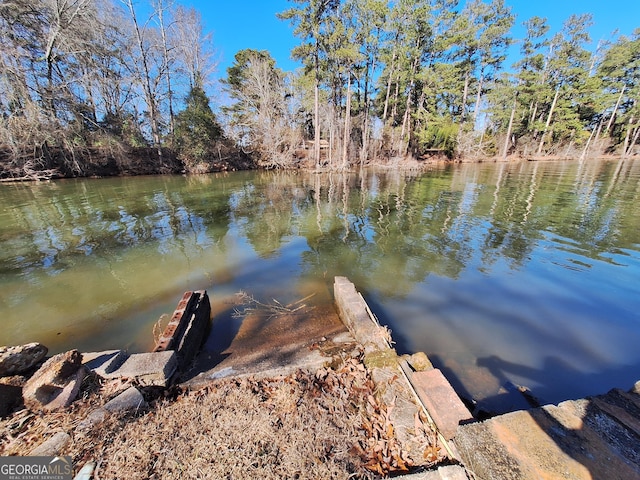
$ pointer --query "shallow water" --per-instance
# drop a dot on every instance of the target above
(503, 274)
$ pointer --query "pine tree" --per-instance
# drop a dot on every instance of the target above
(620, 73)
(310, 21)
(197, 131)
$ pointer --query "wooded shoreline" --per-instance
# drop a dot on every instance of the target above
(44, 163)
(120, 88)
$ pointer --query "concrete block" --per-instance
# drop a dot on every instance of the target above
(104, 363)
(441, 401)
(149, 369)
(174, 329)
(56, 383)
(427, 475)
(186, 330)
(130, 399)
(52, 446)
(194, 333)
(450, 472)
(354, 314)
(483, 453)
(598, 428)
(69, 393)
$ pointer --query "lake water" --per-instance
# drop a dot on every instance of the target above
(525, 273)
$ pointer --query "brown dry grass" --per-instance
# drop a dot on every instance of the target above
(309, 425)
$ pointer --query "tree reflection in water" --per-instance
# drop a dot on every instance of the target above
(521, 262)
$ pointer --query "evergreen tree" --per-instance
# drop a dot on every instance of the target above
(620, 74)
(197, 131)
(569, 65)
(310, 21)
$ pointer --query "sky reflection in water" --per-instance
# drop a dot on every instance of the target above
(525, 273)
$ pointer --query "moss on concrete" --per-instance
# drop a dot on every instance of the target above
(381, 359)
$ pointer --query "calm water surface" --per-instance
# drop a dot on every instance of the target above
(503, 274)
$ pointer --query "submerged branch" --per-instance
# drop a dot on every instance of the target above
(248, 305)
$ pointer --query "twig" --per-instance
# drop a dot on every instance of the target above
(251, 305)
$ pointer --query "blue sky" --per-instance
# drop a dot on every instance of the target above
(253, 23)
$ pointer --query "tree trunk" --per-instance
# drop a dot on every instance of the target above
(509, 128)
(167, 61)
(394, 110)
(366, 134)
(478, 95)
(615, 109)
(534, 111)
(586, 147)
(386, 98)
(636, 134)
(465, 95)
(546, 127)
(347, 127)
(626, 138)
(316, 108)
(407, 110)
(595, 140)
(146, 82)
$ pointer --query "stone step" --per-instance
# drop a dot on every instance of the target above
(147, 369)
(574, 440)
(623, 406)
(441, 401)
(612, 434)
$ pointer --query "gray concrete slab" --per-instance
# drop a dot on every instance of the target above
(148, 369)
(574, 440)
(104, 363)
(276, 346)
(266, 342)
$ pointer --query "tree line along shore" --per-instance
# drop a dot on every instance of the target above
(119, 87)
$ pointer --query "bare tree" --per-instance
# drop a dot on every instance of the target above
(261, 121)
(193, 45)
(148, 69)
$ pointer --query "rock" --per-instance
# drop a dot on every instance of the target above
(56, 383)
(86, 472)
(20, 359)
(419, 362)
(94, 418)
(10, 393)
(52, 446)
(130, 399)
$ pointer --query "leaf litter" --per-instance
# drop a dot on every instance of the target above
(307, 425)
